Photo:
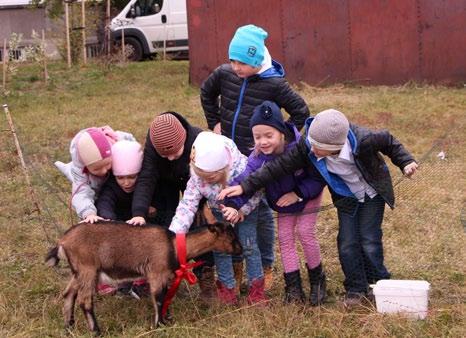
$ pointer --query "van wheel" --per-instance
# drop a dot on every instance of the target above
(133, 49)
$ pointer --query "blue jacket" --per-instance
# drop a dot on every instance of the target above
(305, 182)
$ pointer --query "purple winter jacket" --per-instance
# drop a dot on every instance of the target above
(306, 183)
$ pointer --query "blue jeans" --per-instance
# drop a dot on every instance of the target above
(265, 235)
(360, 245)
(247, 235)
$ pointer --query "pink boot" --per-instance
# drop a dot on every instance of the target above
(225, 295)
(256, 292)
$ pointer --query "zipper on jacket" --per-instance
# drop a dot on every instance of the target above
(238, 108)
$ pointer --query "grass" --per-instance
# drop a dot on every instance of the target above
(424, 236)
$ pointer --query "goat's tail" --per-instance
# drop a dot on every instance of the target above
(52, 258)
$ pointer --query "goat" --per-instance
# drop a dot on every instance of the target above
(124, 252)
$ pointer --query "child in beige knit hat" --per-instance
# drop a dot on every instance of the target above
(348, 157)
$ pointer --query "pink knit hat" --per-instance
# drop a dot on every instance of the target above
(126, 158)
(93, 145)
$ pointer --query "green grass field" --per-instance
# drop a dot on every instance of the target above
(424, 236)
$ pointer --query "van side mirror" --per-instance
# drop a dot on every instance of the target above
(132, 12)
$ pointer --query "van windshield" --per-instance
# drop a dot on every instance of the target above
(146, 7)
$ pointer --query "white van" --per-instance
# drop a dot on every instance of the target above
(152, 26)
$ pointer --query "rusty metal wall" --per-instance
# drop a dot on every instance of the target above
(328, 41)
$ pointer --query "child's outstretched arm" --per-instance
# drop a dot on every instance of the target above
(187, 207)
(83, 195)
(285, 164)
(388, 145)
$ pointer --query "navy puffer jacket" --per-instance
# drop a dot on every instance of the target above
(230, 100)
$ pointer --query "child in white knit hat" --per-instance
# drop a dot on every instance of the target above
(348, 157)
(215, 162)
(91, 160)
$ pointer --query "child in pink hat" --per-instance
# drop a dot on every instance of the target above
(91, 160)
(115, 198)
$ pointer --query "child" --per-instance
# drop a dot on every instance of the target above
(115, 199)
(163, 177)
(165, 167)
(348, 158)
(228, 97)
(215, 161)
(289, 196)
(91, 160)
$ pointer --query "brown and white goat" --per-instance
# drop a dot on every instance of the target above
(124, 252)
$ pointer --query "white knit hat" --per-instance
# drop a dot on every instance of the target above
(329, 130)
(209, 152)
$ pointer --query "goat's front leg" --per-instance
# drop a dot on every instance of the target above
(160, 298)
(87, 283)
(70, 295)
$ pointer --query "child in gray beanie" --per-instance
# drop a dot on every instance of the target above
(348, 158)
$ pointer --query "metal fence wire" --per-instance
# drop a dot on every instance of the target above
(435, 191)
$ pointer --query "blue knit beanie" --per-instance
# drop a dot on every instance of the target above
(269, 114)
(247, 45)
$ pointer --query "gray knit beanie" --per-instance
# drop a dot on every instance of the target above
(329, 130)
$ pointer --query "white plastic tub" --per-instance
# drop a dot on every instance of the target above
(404, 296)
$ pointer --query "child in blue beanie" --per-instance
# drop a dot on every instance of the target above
(229, 96)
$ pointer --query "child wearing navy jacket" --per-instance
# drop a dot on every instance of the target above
(296, 198)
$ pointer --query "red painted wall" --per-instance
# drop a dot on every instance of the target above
(328, 41)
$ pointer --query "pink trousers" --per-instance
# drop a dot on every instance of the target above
(304, 226)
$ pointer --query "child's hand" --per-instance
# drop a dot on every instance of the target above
(230, 214)
(288, 199)
(138, 220)
(235, 190)
(217, 129)
(410, 169)
(92, 219)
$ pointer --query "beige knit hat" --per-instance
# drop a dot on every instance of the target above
(329, 130)
(167, 134)
(93, 145)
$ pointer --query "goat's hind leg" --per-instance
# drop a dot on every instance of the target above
(70, 294)
(87, 285)
(157, 294)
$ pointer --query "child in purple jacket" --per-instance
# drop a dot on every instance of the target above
(295, 197)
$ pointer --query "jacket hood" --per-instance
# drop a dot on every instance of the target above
(276, 70)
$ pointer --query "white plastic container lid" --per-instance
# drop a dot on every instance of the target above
(402, 284)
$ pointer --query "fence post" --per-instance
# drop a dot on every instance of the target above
(83, 28)
(46, 73)
(107, 27)
(123, 48)
(5, 57)
(68, 44)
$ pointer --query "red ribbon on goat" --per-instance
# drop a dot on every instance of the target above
(184, 272)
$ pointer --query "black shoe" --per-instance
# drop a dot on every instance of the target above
(293, 287)
(318, 283)
(353, 299)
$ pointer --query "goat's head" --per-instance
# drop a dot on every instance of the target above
(227, 240)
